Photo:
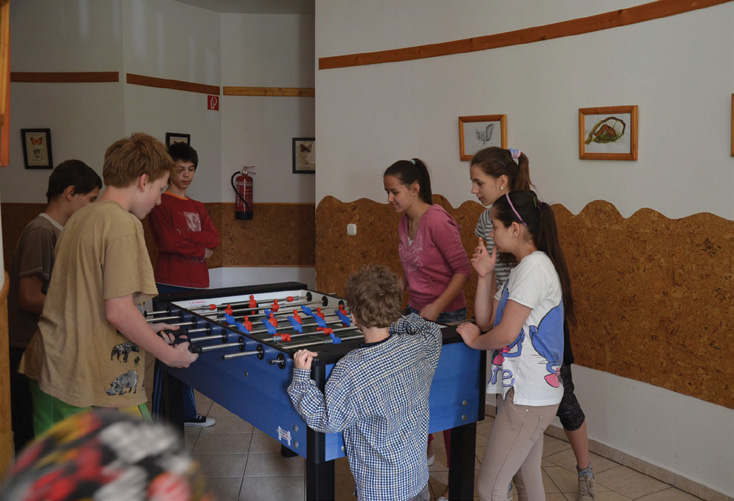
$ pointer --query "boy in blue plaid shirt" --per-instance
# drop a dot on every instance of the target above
(377, 394)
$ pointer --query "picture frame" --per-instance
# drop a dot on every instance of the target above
(479, 132)
(608, 133)
(177, 137)
(304, 155)
(37, 153)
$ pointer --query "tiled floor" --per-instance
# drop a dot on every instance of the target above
(242, 463)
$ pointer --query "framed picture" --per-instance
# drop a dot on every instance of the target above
(479, 132)
(37, 148)
(608, 133)
(175, 137)
(304, 155)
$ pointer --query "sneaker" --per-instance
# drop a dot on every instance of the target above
(201, 421)
(431, 459)
(587, 488)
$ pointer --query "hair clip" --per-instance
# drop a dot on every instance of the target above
(412, 160)
(515, 154)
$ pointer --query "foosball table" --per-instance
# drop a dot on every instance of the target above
(246, 337)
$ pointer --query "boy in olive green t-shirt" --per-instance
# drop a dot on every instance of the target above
(89, 350)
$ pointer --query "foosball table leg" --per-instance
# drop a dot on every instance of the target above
(319, 473)
(461, 471)
(173, 405)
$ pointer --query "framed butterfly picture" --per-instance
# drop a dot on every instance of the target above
(479, 132)
(37, 148)
(304, 155)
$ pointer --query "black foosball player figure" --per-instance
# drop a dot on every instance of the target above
(385, 380)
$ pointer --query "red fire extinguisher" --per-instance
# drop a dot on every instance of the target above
(242, 186)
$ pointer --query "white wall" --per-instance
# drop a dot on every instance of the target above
(678, 70)
(267, 51)
(368, 117)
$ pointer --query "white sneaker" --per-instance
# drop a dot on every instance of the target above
(201, 421)
(431, 459)
(587, 488)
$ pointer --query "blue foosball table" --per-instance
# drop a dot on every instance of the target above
(246, 337)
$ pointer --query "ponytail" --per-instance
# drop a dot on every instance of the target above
(413, 171)
(523, 207)
(496, 162)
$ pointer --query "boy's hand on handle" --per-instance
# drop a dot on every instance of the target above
(482, 262)
(302, 359)
(468, 332)
(182, 357)
(163, 327)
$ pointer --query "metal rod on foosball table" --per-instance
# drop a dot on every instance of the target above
(327, 340)
(282, 307)
(316, 333)
(283, 300)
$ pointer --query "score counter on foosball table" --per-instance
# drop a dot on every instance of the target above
(246, 337)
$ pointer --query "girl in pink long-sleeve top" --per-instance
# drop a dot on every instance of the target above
(435, 265)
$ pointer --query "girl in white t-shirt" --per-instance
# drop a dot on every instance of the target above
(527, 315)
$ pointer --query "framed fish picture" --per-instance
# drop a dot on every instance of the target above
(37, 148)
(479, 132)
(304, 155)
(608, 133)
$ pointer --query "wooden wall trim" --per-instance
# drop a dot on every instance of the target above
(65, 76)
(165, 83)
(614, 19)
(270, 91)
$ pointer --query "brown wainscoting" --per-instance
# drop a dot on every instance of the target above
(613, 19)
(166, 83)
(65, 76)
(653, 295)
(279, 234)
(270, 91)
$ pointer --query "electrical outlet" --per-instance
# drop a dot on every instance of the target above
(351, 229)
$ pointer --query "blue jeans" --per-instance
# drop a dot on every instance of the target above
(446, 316)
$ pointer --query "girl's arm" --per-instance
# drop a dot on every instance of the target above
(484, 304)
(505, 333)
(456, 285)
(447, 239)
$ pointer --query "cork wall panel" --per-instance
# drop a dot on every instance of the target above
(279, 234)
(653, 295)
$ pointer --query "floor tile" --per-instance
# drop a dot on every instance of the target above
(224, 489)
(269, 465)
(228, 425)
(222, 465)
(262, 443)
(344, 488)
(553, 446)
(670, 494)
(223, 444)
(629, 483)
(217, 410)
(566, 459)
(272, 489)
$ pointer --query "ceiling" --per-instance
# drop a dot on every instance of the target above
(255, 6)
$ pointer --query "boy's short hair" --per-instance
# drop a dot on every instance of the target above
(374, 296)
(182, 152)
(129, 158)
(72, 173)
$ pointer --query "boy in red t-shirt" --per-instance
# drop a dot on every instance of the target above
(186, 238)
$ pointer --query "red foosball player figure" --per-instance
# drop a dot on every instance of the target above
(253, 303)
(275, 306)
(246, 322)
(297, 317)
(320, 313)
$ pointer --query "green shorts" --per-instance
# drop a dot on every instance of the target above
(48, 410)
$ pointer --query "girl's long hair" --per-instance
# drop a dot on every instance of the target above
(496, 162)
(538, 217)
(412, 171)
